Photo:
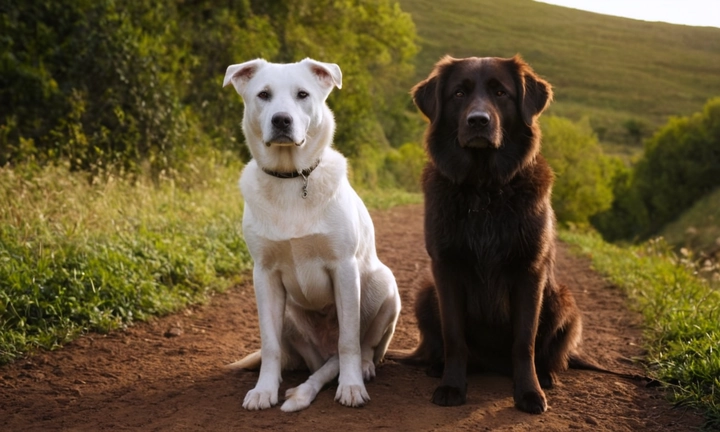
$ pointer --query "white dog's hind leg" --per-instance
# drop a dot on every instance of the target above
(270, 296)
(309, 354)
(377, 337)
(300, 397)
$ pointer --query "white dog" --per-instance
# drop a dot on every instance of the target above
(325, 301)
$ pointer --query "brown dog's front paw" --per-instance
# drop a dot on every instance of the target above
(448, 396)
(532, 402)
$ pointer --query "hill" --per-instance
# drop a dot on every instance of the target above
(698, 228)
(628, 76)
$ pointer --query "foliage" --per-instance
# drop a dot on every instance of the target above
(582, 172)
(78, 256)
(374, 43)
(90, 82)
(681, 163)
(666, 70)
(133, 84)
(681, 311)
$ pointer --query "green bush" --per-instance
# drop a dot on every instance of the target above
(91, 83)
(582, 172)
(681, 164)
(134, 84)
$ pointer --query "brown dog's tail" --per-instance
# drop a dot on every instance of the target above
(579, 361)
(430, 350)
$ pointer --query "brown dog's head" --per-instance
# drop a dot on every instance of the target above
(482, 114)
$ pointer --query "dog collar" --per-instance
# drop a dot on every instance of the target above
(294, 174)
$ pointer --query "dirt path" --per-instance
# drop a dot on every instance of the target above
(140, 379)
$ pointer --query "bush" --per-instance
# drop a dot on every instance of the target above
(681, 163)
(582, 172)
(91, 82)
(135, 84)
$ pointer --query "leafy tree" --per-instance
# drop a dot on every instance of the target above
(135, 84)
(681, 163)
(583, 181)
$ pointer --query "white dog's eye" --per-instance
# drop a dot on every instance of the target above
(459, 93)
(264, 95)
(302, 94)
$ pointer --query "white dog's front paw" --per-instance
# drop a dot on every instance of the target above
(352, 395)
(298, 398)
(257, 399)
(368, 370)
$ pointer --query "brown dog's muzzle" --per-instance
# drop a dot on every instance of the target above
(479, 130)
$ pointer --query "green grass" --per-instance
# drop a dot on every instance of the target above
(77, 256)
(384, 199)
(681, 313)
(610, 69)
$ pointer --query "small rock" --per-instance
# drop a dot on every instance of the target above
(173, 332)
(590, 420)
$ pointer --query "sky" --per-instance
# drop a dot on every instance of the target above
(688, 12)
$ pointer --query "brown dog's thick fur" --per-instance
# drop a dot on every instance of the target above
(490, 232)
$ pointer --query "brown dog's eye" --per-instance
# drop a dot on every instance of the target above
(302, 94)
(264, 95)
(500, 93)
(459, 94)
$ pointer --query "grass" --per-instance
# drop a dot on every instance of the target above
(611, 69)
(79, 256)
(681, 313)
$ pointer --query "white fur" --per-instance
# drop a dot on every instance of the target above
(324, 299)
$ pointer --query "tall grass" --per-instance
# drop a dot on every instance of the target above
(79, 255)
(681, 312)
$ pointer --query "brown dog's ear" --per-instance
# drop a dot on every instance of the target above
(426, 95)
(535, 93)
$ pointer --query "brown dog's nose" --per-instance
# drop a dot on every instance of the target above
(478, 119)
(282, 120)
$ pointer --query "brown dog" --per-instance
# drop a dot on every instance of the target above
(490, 232)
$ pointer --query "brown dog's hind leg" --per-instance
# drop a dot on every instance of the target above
(559, 335)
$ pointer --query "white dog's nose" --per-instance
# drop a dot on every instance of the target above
(282, 120)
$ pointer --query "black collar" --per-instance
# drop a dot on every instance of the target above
(292, 174)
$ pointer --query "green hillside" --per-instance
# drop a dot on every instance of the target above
(698, 228)
(614, 70)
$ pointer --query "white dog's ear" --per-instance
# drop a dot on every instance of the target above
(329, 74)
(240, 74)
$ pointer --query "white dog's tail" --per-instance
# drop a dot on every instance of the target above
(251, 361)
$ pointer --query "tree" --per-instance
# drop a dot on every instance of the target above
(681, 163)
(582, 172)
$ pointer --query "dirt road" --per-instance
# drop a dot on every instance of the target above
(167, 375)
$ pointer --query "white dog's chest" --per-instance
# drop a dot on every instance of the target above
(303, 265)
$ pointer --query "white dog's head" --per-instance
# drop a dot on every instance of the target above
(285, 110)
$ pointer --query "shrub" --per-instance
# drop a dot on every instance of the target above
(681, 163)
(135, 84)
(582, 172)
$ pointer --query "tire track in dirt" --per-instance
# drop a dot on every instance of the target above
(139, 379)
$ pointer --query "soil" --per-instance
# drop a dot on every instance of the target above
(167, 375)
